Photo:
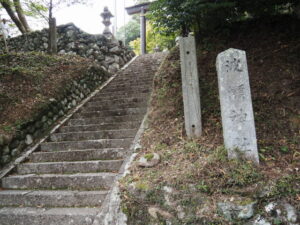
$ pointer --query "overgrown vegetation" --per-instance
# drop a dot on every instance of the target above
(154, 40)
(29, 80)
(209, 17)
(198, 172)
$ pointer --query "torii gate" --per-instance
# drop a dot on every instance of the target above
(142, 9)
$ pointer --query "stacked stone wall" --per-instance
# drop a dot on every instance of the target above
(50, 112)
(110, 53)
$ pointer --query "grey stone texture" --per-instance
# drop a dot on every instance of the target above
(236, 105)
(232, 211)
(70, 177)
(110, 53)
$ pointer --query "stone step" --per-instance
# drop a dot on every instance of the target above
(90, 144)
(70, 167)
(78, 155)
(81, 181)
(122, 92)
(93, 135)
(104, 126)
(48, 216)
(103, 120)
(133, 79)
(106, 113)
(118, 106)
(130, 84)
(110, 97)
(119, 101)
(116, 85)
(32, 198)
(125, 89)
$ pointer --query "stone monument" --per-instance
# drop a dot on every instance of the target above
(106, 15)
(236, 105)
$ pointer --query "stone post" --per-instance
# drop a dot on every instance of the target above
(52, 36)
(236, 105)
(143, 32)
(190, 87)
(106, 15)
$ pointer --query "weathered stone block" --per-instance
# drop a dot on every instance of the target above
(236, 105)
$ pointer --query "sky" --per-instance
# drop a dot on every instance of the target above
(88, 17)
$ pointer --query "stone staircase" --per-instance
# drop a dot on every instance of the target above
(67, 180)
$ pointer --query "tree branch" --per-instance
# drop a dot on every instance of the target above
(7, 6)
(21, 16)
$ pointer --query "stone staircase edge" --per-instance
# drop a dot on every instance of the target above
(111, 213)
(7, 169)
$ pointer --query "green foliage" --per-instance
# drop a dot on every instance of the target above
(203, 187)
(284, 149)
(223, 173)
(242, 174)
(30, 66)
(149, 156)
(154, 39)
(207, 16)
(287, 185)
(131, 31)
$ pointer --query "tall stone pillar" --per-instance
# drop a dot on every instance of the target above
(143, 32)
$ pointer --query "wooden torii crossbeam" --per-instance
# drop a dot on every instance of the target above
(141, 9)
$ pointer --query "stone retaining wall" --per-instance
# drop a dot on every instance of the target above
(110, 53)
(50, 112)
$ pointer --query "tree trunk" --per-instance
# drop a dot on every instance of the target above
(12, 15)
(21, 16)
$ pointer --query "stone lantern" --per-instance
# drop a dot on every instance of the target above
(106, 15)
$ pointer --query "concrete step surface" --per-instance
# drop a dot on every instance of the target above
(119, 96)
(70, 167)
(134, 79)
(50, 198)
(104, 126)
(80, 181)
(79, 155)
(120, 106)
(103, 120)
(131, 92)
(106, 113)
(96, 102)
(89, 144)
(125, 87)
(93, 135)
(133, 84)
(67, 180)
(47, 216)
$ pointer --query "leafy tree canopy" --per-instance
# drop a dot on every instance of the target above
(154, 40)
(130, 31)
(205, 15)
